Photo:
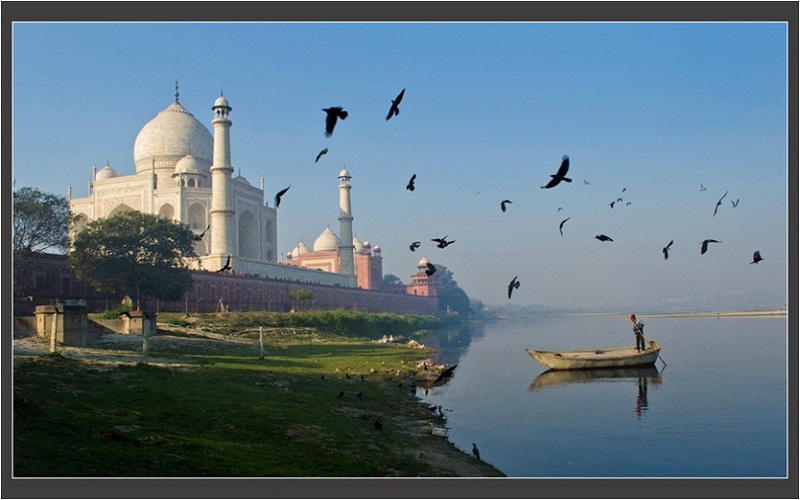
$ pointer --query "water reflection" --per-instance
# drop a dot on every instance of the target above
(642, 375)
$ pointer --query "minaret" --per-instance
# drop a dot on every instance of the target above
(223, 227)
(346, 266)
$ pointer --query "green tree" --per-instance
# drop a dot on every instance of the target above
(451, 297)
(390, 280)
(40, 221)
(135, 253)
(299, 295)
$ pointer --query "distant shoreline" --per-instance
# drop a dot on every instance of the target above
(719, 314)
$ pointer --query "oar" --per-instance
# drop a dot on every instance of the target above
(642, 334)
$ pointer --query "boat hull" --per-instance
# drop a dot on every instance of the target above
(618, 357)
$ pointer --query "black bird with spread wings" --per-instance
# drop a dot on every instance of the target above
(719, 202)
(324, 151)
(431, 269)
(757, 257)
(442, 242)
(511, 286)
(333, 113)
(735, 203)
(503, 204)
(560, 175)
(410, 185)
(704, 245)
(665, 250)
(279, 195)
(394, 110)
(199, 237)
(560, 226)
(226, 267)
(413, 247)
(603, 237)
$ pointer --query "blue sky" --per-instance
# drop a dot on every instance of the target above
(656, 109)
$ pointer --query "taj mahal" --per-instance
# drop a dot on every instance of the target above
(184, 173)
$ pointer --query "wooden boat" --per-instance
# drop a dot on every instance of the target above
(617, 357)
(550, 378)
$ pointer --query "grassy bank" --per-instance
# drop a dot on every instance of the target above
(213, 407)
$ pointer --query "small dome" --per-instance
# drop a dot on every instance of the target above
(326, 241)
(423, 262)
(344, 173)
(188, 165)
(240, 178)
(221, 101)
(367, 245)
(376, 249)
(106, 173)
(300, 249)
(357, 246)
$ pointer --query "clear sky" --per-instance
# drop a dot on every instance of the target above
(654, 109)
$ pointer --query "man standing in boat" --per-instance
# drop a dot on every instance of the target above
(638, 332)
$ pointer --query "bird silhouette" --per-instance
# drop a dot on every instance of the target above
(704, 245)
(665, 250)
(612, 204)
(330, 120)
(628, 204)
(413, 247)
(341, 394)
(585, 182)
(624, 189)
(702, 187)
(410, 185)
(394, 110)
(560, 175)
(757, 257)
(560, 209)
(442, 242)
(226, 267)
(323, 152)
(431, 269)
(603, 237)
(199, 237)
(378, 424)
(560, 226)
(475, 452)
(619, 200)
(503, 204)
(279, 195)
(511, 286)
(719, 202)
(735, 203)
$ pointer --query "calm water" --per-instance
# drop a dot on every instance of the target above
(718, 409)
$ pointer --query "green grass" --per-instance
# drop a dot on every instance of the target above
(224, 412)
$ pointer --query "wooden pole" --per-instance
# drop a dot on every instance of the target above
(54, 331)
(261, 340)
(642, 334)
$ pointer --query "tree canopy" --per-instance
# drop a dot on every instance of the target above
(40, 221)
(135, 253)
(451, 297)
(390, 280)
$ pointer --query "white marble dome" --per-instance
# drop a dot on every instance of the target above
(106, 173)
(326, 241)
(357, 246)
(423, 262)
(221, 101)
(188, 165)
(300, 249)
(170, 136)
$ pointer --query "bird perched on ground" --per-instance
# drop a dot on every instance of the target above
(378, 424)
(410, 185)
(414, 246)
(442, 242)
(603, 237)
(431, 269)
(475, 452)
(279, 195)
(503, 204)
(511, 286)
(394, 110)
(323, 152)
(757, 257)
(341, 394)
(199, 237)
(560, 226)
(333, 113)
(560, 175)
(226, 267)
(719, 202)
(704, 245)
(665, 250)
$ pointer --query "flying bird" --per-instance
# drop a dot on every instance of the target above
(394, 110)
(585, 182)
(704, 246)
(757, 257)
(410, 185)
(561, 226)
(226, 267)
(511, 286)
(735, 203)
(323, 152)
(413, 247)
(560, 175)
(199, 237)
(560, 209)
(619, 200)
(702, 187)
(278, 196)
(475, 451)
(612, 204)
(442, 242)
(628, 204)
(665, 250)
(603, 237)
(503, 204)
(431, 269)
(719, 202)
(623, 189)
(333, 114)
